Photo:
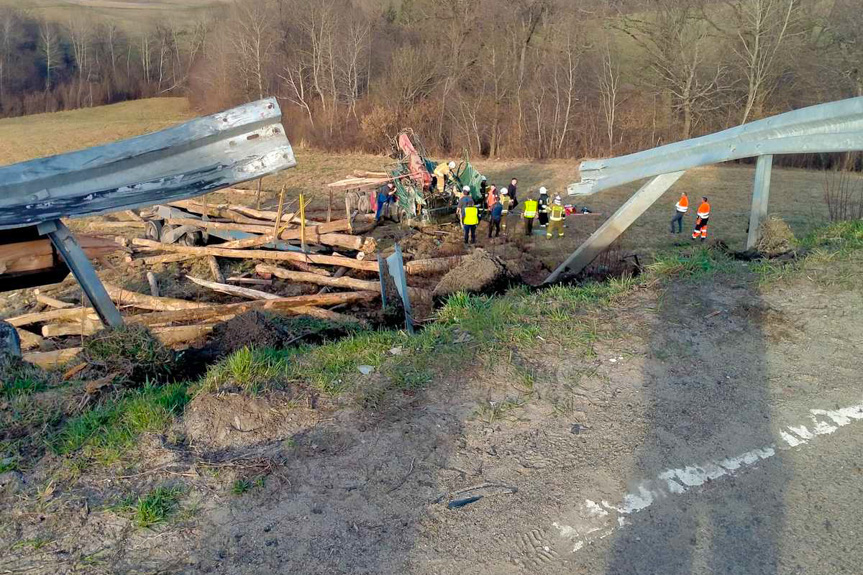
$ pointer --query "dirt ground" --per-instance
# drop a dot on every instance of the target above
(689, 369)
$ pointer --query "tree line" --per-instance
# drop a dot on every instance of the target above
(535, 78)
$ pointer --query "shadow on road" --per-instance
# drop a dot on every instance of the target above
(706, 385)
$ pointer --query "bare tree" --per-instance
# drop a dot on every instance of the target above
(760, 32)
(254, 41)
(609, 85)
(49, 49)
(9, 23)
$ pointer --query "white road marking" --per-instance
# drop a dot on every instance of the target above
(598, 521)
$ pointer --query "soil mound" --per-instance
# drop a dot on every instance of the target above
(776, 237)
(235, 420)
(479, 272)
(252, 329)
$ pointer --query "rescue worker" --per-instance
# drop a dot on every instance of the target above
(513, 192)
(506, 204)
(463, 203)
(701, 221)
(556, 216)
(680, 210)
(491, 198)
(386, 195)
(443, 172)
(483, 187)
(543, 207)
(470, 219)
(530, 208)
(494, 218)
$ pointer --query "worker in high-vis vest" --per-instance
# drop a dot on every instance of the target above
(443, 172)
(471, 221)
(679, 211)
(701, 221)
(506, 204)
(556, 215)
(544, 203)
(530, 208)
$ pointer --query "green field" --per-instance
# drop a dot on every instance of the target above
(796, 196)
(128, 13)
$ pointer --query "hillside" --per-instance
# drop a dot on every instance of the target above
(128, 13)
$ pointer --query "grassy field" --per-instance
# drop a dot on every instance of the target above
(796, 197)
(128, 13)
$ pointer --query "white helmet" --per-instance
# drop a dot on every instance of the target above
(466, 189)
(542, 190)
(504, 192)
(558, 201)
(452, 165)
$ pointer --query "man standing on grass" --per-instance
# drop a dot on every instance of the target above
(701, 221)
(680, 210)
(470, 222)
(494, 218)
(556, 217)
(463, 203)
(529, 215)
(506, 204)
(513, 192)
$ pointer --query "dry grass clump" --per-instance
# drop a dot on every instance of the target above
(130, 353)
(776, 237)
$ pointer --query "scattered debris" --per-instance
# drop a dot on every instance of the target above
(366, 369)
(458, 503)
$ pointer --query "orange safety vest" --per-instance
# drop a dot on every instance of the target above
(704, 211)
(683, 204)
(471, 216)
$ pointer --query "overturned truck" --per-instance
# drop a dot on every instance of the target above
(424, 191)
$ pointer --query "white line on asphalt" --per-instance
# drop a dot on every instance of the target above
(597, 521)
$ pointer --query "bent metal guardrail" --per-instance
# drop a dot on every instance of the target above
(833, 127)
(195, 158)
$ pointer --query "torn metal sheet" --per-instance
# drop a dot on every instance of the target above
(195, 158)
(833, 127)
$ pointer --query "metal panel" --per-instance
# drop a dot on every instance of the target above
(760, 199)
(833, 127)
(200, 156)
(616, 225)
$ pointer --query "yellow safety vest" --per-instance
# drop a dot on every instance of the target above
(557, 213)
(471, 216)
(530, 209)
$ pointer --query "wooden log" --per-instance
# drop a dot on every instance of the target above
(215, 269)
(219, 211)
(106, 225)
(229, 310)
(71, 314)
(163, 259)
(154, 284)
(238, 291)
(314, 228)
(250, 281)
(49, 359)
(53, 302)
(338, 282)
(247, 243)
(431, 266)
(134, 299)
(173, 336)
(324, 314)
(39, 254)
(29, 340)
(86, 327)
(304, 267)
(260, 255)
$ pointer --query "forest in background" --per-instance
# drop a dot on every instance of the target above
(527, 78)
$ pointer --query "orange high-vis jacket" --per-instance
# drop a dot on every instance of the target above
(683, 204)
(704, 210)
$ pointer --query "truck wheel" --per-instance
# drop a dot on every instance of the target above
(192, 239)
(153, 230)
(164, 232)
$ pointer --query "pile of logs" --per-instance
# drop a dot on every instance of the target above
(332, 255)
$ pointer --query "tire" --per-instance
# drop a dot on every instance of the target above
(153, 230)
(164, 231)
(192, 239)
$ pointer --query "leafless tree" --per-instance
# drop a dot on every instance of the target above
(609, 85)
(9, 23)
(254, 41)
(49, 49)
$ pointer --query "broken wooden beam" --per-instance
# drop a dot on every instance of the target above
(38, 255)
(215, 269)
(29, 340)
(431, 266)
(71, 314)
(53, 302)
(154, 284)
(338, 282)
(86, 327)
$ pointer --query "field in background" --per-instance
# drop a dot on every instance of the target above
(128, 13)
(796, 195)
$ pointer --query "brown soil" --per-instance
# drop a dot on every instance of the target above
(480, 272)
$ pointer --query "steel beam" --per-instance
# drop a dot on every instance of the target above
(82, 269)
(616, 225)
(760, 199)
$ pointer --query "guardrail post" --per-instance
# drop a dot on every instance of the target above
(616, 224)
(82, 269)
(760, 199)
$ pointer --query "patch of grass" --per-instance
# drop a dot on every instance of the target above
(492, 411)
(155, 507)
(131, 352)
(111, 427)
(241, 486)
(18, 379)
(250, 369)
(690, 264)
(35, 543)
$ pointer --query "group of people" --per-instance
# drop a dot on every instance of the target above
(702, 216)
(499, 203)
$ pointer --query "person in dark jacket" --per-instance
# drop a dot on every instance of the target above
(544, 207)
(513, 192)
(386, 195)
(483, 187)
(495, 216)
